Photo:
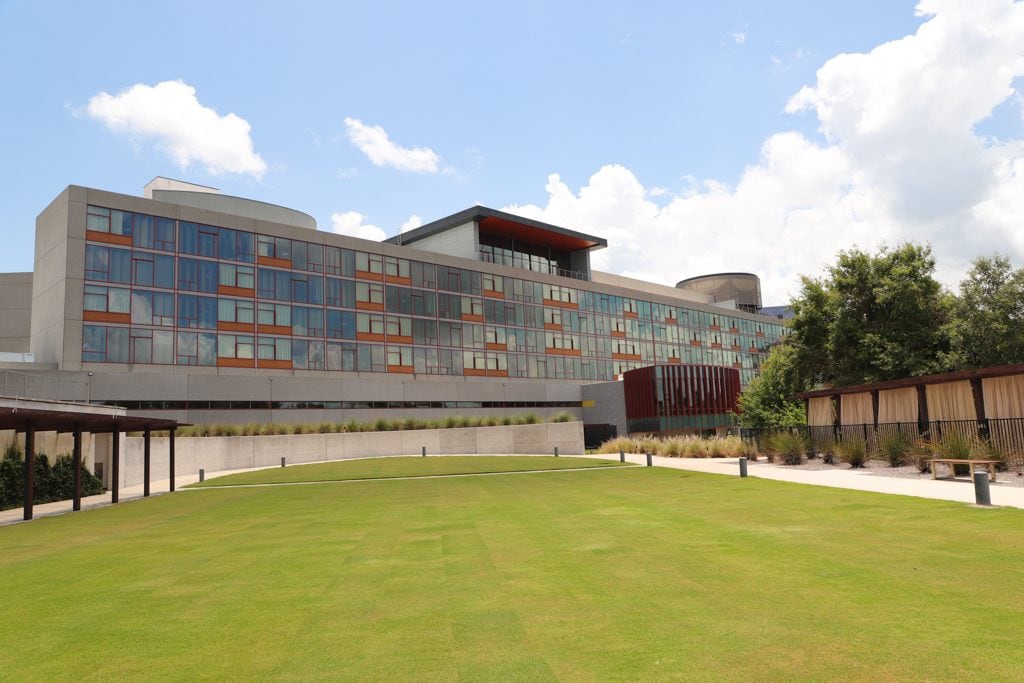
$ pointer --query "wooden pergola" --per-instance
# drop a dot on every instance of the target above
(30, 416)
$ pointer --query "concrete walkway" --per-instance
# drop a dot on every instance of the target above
(961, 491)
(843, 478)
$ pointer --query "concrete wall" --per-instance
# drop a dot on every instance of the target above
(15, 312)
(461, 241)
(218, 453)
(609, 405)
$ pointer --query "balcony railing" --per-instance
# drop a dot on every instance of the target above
(31, 385)
(525, 264)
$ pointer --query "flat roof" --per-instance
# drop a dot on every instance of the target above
(980, 373)
(492, 221)
(19, 414)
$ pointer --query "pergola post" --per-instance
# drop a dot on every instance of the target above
(145, 462)
(171, 454)
(77, 455)
(30, 469)
(115, 464)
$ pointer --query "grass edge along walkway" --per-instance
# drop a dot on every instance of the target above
(405, 467)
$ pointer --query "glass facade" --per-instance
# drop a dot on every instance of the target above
(167, 292)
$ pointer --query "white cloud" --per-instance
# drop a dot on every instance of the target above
(373, 141)
(182, 127)
(351, 223)
(739, 37)
(901, 161)
(412, 223)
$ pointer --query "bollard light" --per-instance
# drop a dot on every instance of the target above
(981, 491)
(649, 460)
(282, 461)
(622, 456)
(743, 467)
(556, 451)
(423, 452)
(202, 475)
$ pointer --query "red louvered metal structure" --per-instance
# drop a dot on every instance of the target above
(679, 398)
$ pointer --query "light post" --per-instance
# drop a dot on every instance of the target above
(88, 390)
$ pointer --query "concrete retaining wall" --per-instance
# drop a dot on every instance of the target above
(217, 453)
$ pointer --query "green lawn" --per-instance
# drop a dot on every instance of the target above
(386, 468)
(627, 574)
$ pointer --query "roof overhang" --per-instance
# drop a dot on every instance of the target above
(491, 221)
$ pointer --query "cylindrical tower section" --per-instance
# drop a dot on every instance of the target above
(743, 288)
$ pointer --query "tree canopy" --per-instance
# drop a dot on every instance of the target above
(987, 322)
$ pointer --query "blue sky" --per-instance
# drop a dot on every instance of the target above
(657, 120)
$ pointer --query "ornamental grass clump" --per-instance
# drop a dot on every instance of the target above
(791, 447)
(853, 452)
(895, 448)
(619, 443)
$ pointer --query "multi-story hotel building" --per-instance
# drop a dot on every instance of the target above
(201, 307)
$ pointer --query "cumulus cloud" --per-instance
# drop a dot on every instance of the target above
(351, 223)
(412, 223)
(901, 160)
(187, 131)
(373, 141)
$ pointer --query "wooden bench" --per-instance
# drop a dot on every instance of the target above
(952, 462)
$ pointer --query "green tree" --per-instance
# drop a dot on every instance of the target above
(768, 402)
(872, 318)
(987, 325)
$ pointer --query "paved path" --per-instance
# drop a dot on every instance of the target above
(841, 477)
(844, 478)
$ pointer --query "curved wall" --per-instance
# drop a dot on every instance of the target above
(744, 288)
(237, 206)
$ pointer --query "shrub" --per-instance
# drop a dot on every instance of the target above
(716, 448)
(562, 417)
(748, 449)
(791, 447)
(619, 443)
(895, 448)
(853, 452)
(828, 452)
(530, 419)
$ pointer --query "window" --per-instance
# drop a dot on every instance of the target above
(307, 322)
(471, 306)
(97, 219)
(274, 284)
(400, 356)
(493, 283)
(235, 311)
(494, 335)
(423, 274)
(370, 323)
(197, 348)
(197, 276)
(396, 267)
(341, 324)
(552, 316)
(308, 354)
(424, 331)
(107, 264)
(340, 293)
(369, 292)
(152, 308)
(235, 346)
(341, 357)
(198, 240)
(274, 348)
(152, 270)
(369, 263)
(197, 312)
(107, 299)
(152, 346)
(231, 275)
(339, 261)
(109, 220)
(274, 314)
(104, 344)
(235, 245)
(398, 326)
(274, 247)
(307, 256)
(307, 289)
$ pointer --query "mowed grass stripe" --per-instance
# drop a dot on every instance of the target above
(636, 574)
(404, 467)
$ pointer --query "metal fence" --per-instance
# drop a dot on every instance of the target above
(32, 385)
